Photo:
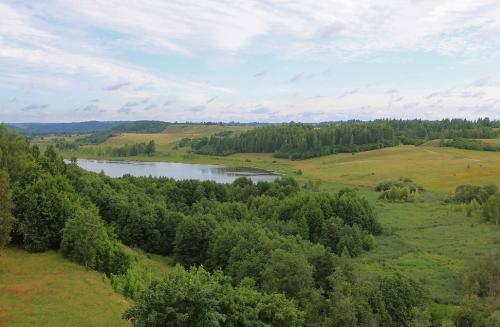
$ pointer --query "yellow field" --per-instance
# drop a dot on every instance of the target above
(437, 169)
(173, 134)
(44, 289)
(492, 141)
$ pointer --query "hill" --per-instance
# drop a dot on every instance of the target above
(35, 286)
(63, 128)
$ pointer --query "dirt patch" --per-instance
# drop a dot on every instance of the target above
(20, 289)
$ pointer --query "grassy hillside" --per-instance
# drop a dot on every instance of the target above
(44, 289)
(437, 169)
(63, 128)
(173, 134)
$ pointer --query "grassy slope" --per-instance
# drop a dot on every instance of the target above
(44, 289)
(173, 134)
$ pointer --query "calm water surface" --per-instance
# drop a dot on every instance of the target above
(176, 171)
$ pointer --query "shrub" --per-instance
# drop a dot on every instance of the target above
(87, 241)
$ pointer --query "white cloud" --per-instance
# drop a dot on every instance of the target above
(342, 27)
(56, 45)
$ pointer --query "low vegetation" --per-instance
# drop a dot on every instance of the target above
(470, 144)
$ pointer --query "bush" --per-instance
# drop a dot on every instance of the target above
(466, 193)
(401, 183)
(41, 210)
(6, 219)
(197, 298)
(87, 241)
(136, 280)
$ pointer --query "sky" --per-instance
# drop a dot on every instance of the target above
(248, 60)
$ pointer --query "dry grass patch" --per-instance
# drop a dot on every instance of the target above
(44, 289)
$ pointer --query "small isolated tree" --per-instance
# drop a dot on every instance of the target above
(491, 209)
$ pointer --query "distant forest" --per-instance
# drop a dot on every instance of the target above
(302, 141)
(63, 128)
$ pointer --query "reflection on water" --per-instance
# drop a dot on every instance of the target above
(175, 170)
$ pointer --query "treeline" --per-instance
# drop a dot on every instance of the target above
(65, 145)
(135, 149)
(302, 141)
(63, 128)
(469, 144)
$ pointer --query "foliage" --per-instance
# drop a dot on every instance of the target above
(301, 141)
(63, 128)
(136, 149)
(41, 211)
(491, 209)
(86, 240)
(65, 145)
(397, 194)
(198, 298)
(6, 205)
(192, 239)
(400, 183)
(133, 282)
(140, 126)
(494, 319)
(483, 276)
(466, 193)
(400, 297)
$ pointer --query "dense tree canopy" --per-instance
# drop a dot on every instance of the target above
(200, 299)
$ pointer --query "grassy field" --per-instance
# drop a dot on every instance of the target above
(44, 289)
(432, 243)
(492, 141)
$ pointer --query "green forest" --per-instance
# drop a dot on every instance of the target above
(245, 254)
(302, 141)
